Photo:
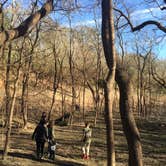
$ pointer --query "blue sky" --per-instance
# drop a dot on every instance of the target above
(138, 9)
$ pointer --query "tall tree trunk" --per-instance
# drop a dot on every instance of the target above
(128, 122)
(71, 65)
(150, 87)
(109, 97)
(25, 82)
(9, 123)
(108, 37)
(83, 100)
(7, 84)
(138, 86)
(24, 97)
(95, 100)
(11, 110)
(55, 83)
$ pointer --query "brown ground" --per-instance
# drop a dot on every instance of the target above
(153, 133)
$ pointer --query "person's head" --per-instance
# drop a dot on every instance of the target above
(44, 114)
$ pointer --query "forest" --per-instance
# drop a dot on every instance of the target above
(100, 63)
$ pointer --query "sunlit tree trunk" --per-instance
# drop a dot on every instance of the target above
(11, 109)
(109, 97)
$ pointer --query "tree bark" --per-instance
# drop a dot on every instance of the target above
(55, 83)
(11, 110)
(26, 25)
(109, 97)
(71, 66)
(129, 126)
(108, 37)
(7, 83)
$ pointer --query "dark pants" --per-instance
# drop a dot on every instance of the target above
(50, 151)
(40, 148)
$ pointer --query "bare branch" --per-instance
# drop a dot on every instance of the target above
(142, 25)
(157, 78)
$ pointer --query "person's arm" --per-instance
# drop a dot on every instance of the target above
(46, 132)
(83, 135)
(34, 133)
(53, 132)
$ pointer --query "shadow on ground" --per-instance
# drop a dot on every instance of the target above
(32, 157)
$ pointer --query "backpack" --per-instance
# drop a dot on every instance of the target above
(87, 134)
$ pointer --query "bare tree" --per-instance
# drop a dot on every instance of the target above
(26, 75)
(57, 77)
(71, 69)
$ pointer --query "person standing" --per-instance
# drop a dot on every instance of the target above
(40, 136)
(51, 140)
(87, 133)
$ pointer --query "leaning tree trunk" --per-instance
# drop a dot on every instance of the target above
(128, 122)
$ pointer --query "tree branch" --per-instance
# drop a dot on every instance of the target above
(142, 25)
(157, 78)
(27, 24)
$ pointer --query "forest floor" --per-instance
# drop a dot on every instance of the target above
(22, 148)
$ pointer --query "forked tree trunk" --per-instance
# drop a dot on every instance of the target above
(108, 37)
(129, 126)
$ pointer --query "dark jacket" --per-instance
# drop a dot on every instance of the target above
(40, 133)
(50, 133)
